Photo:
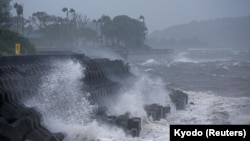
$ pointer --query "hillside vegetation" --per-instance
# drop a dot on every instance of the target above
(225, 32)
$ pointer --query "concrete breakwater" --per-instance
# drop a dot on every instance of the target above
(21, 76)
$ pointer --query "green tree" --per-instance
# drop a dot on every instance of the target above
(5, 7)
(123, 31)
(8, 40)
(59, 35)
(109, 33)
(146, 32)
(81, 21)
(40, 19)
(96, 25)
(104, 21)
(62, 32)
(88, 34)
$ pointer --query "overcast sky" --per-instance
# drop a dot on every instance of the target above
(159, 14)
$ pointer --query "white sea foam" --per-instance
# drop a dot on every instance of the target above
(209, 108)
(62, 103)
(145, 90)
(183, 57)
(64, 108)
(150, 62)
(60, 95)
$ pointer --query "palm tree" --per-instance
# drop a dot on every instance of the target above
(73, 12)
(67, 12)
(142, 18)
(19, 11)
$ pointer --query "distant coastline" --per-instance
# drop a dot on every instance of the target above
(223, 32)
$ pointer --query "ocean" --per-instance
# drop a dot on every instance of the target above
(217, 82)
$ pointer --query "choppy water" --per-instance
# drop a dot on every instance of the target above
(223, 71)
(217, 82)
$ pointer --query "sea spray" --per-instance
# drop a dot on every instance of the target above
(64, 108)
(183, 57)
(144, 90)
(95, 131)
(62, 102)
(61, 97)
